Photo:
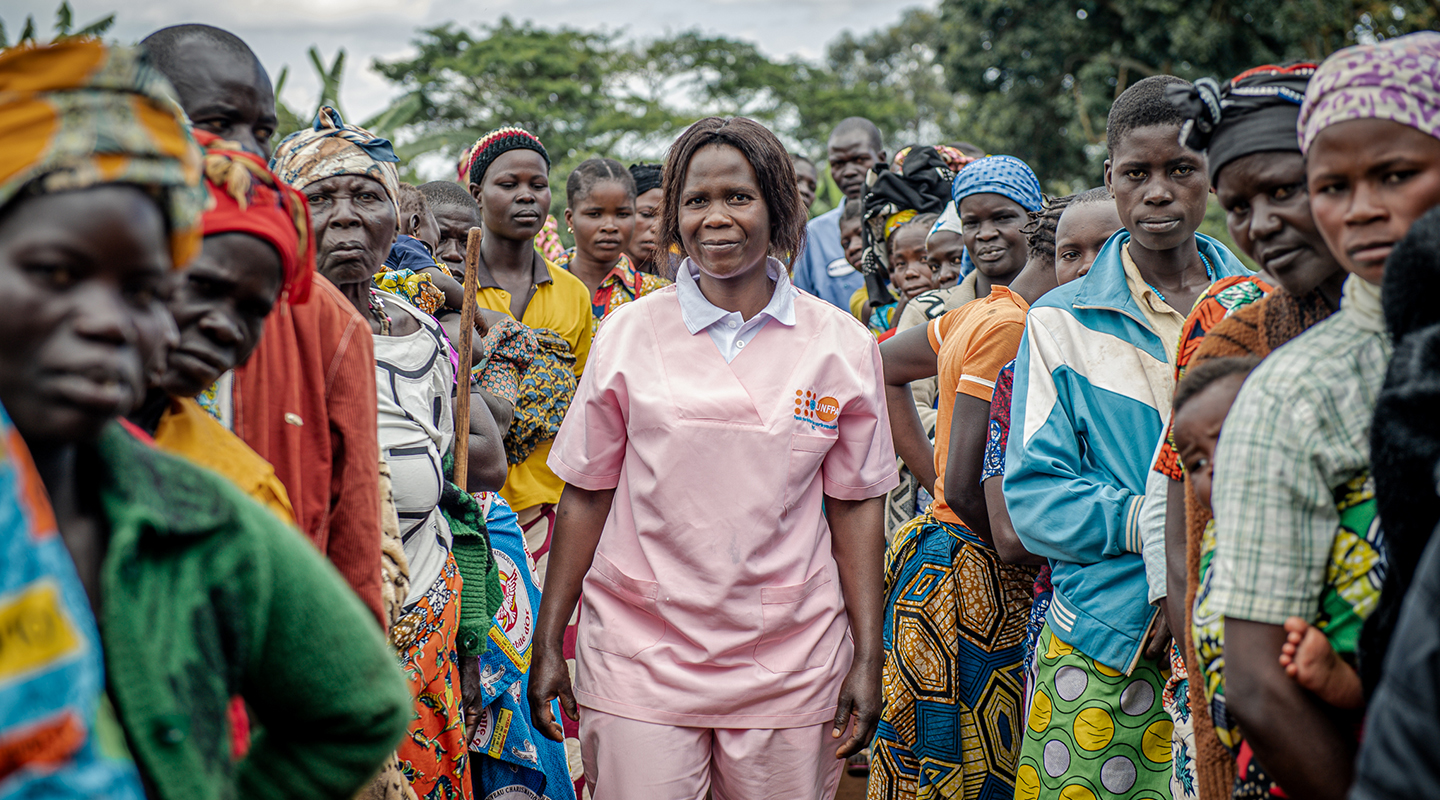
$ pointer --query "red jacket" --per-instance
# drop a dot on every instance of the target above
(306, 403)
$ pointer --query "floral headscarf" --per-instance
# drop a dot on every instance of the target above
(331, 147)
(1397, 80)
(79, 114)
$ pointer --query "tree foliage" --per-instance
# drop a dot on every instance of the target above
(64, 27)
(1041, 76)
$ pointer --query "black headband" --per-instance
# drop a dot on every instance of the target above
(1255, 112)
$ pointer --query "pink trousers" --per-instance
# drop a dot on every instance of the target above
(626, 759)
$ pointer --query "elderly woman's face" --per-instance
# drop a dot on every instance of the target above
(220, 303)
(80, 315)
(1370, 179)
(355, 224)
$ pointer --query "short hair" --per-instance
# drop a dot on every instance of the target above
(412, 201)
(1141, 106)
(448, 194)
(1099, 194)
(865, 126)
(796, 158)
(773, 169)
(1040, 232)
(163, 46)
(852, 209)
(596, 170)
(1208, 373)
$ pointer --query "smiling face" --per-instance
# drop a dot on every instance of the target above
(1370, 179)
(647, 225)
(1267, 211)
(454, 223)
(79, 315)
(994, 234)
(220, 303)
(724, 220)
(910, 270)
(1197, 431)
(354, 227)
(603, 220)
(1159, 187)
(515, 195)
(945, 250)
(851, 154)
(806, 179)
(1079, 234)
(227, 94)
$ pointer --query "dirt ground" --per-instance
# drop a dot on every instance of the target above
(851, 788)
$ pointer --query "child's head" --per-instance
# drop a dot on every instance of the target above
(1040, 233)
(851, 237)
(1202, 400)
(1088, 221)
(730, 198)
(945, 248)
(455, 212)
(807, 178)
(1160, 186)
(911, 272)
(600, 198)
(1372, 156)
(416, 219)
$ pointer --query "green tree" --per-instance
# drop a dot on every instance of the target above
(64, 27)
(1041, 77)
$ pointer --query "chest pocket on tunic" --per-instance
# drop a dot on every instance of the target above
(622, 611)
(802, 628)
(807, 452)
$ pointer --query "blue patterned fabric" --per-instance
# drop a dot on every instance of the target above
(954, 640)
(510, 758)
(52, 675)
(1002, 175)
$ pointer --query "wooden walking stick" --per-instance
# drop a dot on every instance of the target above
(466, 344)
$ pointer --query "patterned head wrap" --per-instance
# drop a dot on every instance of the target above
(245, 197)
(1254, 112)
(501, 140)
(949, 221)
(918, 183)
(331, 147)
(1397, 80)
(647, 177)
(1003, 175)
(79, 114)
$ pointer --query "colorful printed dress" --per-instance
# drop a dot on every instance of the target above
(510, 757)
(623, 285)
(53, 742)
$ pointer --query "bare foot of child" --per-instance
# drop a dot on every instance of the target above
(1309, 659)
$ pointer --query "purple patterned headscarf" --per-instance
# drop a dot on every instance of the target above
(1397, 80)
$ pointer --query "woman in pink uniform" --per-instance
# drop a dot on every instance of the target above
(726, 460)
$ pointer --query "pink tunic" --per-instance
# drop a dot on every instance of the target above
(714, 599)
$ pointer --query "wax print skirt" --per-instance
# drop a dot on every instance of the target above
(954, 667)
(1093, 731)
(433, 753)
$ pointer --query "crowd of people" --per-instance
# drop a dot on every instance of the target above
(278, 522)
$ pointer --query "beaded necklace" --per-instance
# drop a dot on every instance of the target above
(377, 310)
(1209, 275)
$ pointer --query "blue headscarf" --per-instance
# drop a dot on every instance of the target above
(1002, 175)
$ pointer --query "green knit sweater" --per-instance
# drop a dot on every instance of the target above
(206, 596)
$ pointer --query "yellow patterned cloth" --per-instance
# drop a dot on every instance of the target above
(1094, 732)
(954, 682)
(79, 114)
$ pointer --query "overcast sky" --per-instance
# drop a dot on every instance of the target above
(281, 31)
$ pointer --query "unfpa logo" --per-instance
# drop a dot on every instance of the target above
(820, 412)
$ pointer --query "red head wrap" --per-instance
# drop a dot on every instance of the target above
(245, 197)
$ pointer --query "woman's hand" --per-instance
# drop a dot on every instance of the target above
(472, 701)
(549, 679)
(860, 697)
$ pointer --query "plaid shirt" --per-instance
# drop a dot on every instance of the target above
(1296, 440)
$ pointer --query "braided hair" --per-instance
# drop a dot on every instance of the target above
(597, 170)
